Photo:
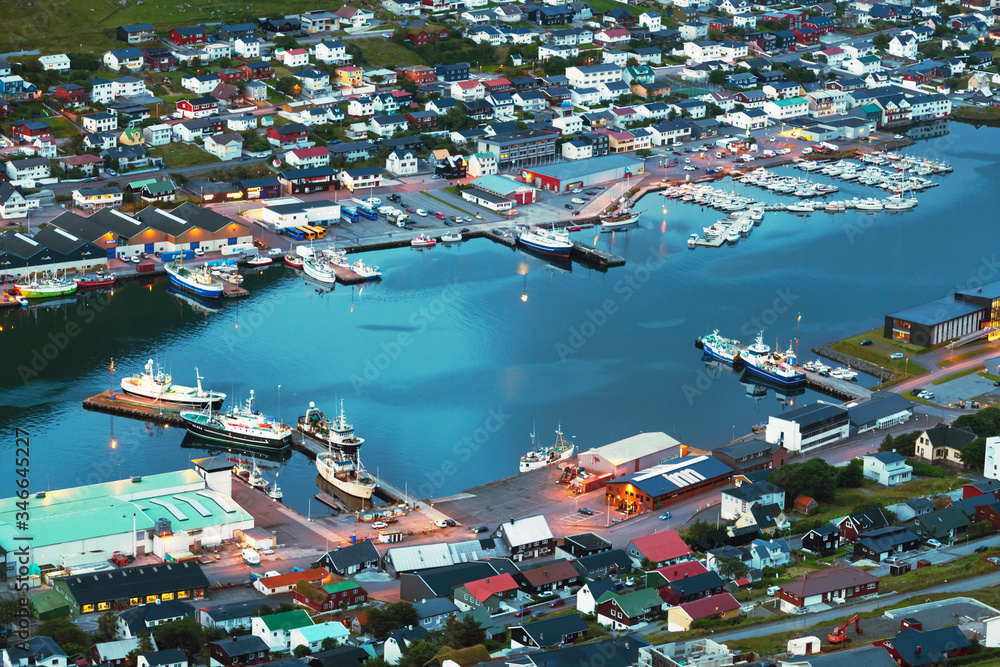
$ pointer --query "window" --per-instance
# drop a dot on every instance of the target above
(134, 601)
(103, 606)
(87, 608)
(150, 599)
(167, 596)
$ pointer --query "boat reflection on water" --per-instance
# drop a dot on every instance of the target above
(348, 502)
(198, 304)
(757, 389)
(234, 453)
(316, 286)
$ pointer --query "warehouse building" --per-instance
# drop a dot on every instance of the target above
(50, 249)
(292, 212)
(808, 426)
(584, 173)
(882, 410)
(130, 587)
(935, 322)
(661, 485)
(506, 188)
(631, 454)
(170, 514)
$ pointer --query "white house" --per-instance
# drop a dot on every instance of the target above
(157, 135)
(100, 122)
(361, 107)
(615, 57)
(13, 203)
(748, 119)
(651, 21)
(781, 110)
(903, 46)
(58, 62)
(224, 146)
(863, 65)
(217, 51)
(95, 198)
(276, 629)
(130, 59)
(482, 164)
(991, 469)
(313, 636)
(466, 91)
(886, 468)
(808, 426)
(773, 553)
(587, 596)
(593, 75)
(242, 122)
(293, 57)
(386, 126)
(586, 97)
(401, 162)
(32, 168)
(201, 85)
(569, 124)
(694, 30)
(248, 47)
(546, 51)
(128, 86)
(577, 149)
(101, 91)
(737, 501)
(306, 158)
(332, 52)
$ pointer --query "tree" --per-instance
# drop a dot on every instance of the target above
(420, 653)
(285, 42)
(881, 41)
(717, 76)
(329, 644)
(464, 632)
(815, 478)
(286, 85)
(905, 444)
(643, 153)
(985, 423)
(852, 475)
(731, 568)
(697, 530)
(107, 626)
(184, 633)
(383, 620)
(67, 635)
(887, 443)
(974, 454)
(301, 650)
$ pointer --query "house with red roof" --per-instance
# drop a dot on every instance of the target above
(293, 57)
(314, 156)
(611, 38)
(497, 86)
(286, 583)
(490, 593)
(723, 605)
(552, 577)
(466, 91)
(663, 548)
(832, 585)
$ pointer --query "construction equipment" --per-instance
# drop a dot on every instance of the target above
(839, 634)
(120, 559)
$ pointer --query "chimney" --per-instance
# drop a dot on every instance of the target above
(917, 650)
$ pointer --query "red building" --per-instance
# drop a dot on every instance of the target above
(187, 36)
(29, 129)
(287, 135)
(159, 60)
(824, 25)
(860, 522)
(990, 514)
(199, 107)
(418, 74)
(426, 35)
(422, 120)
(70, 94)
(973, 489)
(230, 75)
(257, 71)
(805, 36)
(832, 585)
(498, 86)
(329, 597)
(914, 647)
(794, 19)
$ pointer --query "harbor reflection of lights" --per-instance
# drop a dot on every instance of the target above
(663, 227)
(522, 269)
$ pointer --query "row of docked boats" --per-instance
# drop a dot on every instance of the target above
(868, 204)
(245, 427)
(705, 194)
(322, 265)
(731, 230)
(35, 286)
(839, 373)
(757, 358)
(893, 180)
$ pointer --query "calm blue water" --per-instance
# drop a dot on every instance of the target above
(446, 365)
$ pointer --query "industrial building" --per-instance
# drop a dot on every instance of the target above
(171, 514)
(584, 173)
(882, 410)
(808, 426)
(631, 454)
(506, 188)
(293, 212)
(133, 586)
(661, 485)
(50, 249)
(966, 312)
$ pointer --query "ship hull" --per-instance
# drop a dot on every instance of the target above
(315, 273)
(177, 398)
(349, 486)
(545, 249)
(213, 291)
(798, 380)
(44, 292)
(243, 439)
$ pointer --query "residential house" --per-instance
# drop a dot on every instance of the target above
(662, 548)
(399, 641)
(721, 606)
(27, 169)
(288, 137)
(248, 47)
(136, 33)
(325, 598)
(830, 585)
(402, 162)
(882, 543)
(737, 502)
(187, 36)
(903, 46)
(199, 107)
(465, 91)
(943, 444)
(943, 525)
(551, 577)
(361, 177)
(886, 468)
(914, 647)
(435, 613)
(304, 158)
(823, 540)
(651, 20)
(13, 203)
(860, 522)
(627, 611)
(351, 559)
(590, 592)
(276, 629)
(529, 537)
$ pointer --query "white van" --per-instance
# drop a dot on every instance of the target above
(251, 557)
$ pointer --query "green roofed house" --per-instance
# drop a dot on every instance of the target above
(162, 514)
(639, 75)
(624, 612)
(50, 605)
(276, 629)
(341, 594)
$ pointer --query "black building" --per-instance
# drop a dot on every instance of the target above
(121, 589)
(822, 541)
(877, 545)
(550, 632)
(585, 544)
(259, 188)
(284, 26)
(350, 559)
(453, 167)
(231, 33)
(442, 581)
(314, 179)
(450, 73)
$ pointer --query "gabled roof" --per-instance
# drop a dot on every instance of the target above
(930, 647)
(168, 656)
(482, 589)
(530, 529)
(287, 620)
(951, 437)
(709, 606)
(355, 554)
(635, 603)
(662, 546)
(548, 632)
(754, 491)
(550, 573)
(830, 579)
(940, 523)
(698, 583)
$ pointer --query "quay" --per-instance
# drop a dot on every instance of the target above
(134, 407)
(233, 291)
(840, 389)
(581, 253)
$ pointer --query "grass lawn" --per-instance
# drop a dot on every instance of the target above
(179, 154)
(977, 113)
(967, 354)
(990, 376)
(601, 6)
(955, 376)
(878, 352)
(380, 52)
(846, 499)
(967, 566)
(61, 127)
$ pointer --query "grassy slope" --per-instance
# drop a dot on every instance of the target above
(89, 25)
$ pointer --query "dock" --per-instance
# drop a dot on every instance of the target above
(840, 389)
(231, 290)
(134, 407)
(581, 253)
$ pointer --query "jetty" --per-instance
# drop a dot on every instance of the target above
(135, 407)
(231, 290)
(581, 253)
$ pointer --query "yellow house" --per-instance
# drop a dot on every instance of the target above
(723, 605)
(768, 519)
(131, 137)
(943, 444)
(349, 76)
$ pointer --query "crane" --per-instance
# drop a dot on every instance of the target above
(839, 634)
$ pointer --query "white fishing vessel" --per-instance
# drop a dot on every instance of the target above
(554, 242)
(159, 386)
(239, 426)
(719, 347)
(340, 465)
(366, 271)
(451, 238)
(772, 366)
(320, 268)
(539, 458)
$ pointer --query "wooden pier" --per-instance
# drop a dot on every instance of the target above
(134, 407)
(231, 290)
(831, 386)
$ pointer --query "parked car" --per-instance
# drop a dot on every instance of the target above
(521, 613)
(980, 550)
(422, 213)
(135, 259)
(546, 594)
(568, 206)
(440, 215)
(379, 525)
(450, 522)
(558, 602)
(866, 341)
(934, 543)
(586, 511)
(200, 252)
(896, 355)
(441, 523)
(480, 529)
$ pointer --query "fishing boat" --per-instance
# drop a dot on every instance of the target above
(340, 465)
(274, 492)
(318, 268)
(451, 238)
(366, 271)
(623, 217)
(719, 347)
(98, 279)
(198, 280)
(41, 288)
(240, 425)
(733, 236)
(776, 367)
(539, 458)
(546, 241)
(259, 260)
(423, 241)
(693, 240)
(159, 386)
(293, 261)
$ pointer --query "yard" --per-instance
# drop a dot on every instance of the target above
(846, 500)
(61, 127)
(179, 154)
(978, 114)
(380, 52)
(878, 352)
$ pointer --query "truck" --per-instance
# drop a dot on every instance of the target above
(396, 218)
(237, 249)
(251, 557)
(768, 153)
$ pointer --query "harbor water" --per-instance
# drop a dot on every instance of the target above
(446, 365)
